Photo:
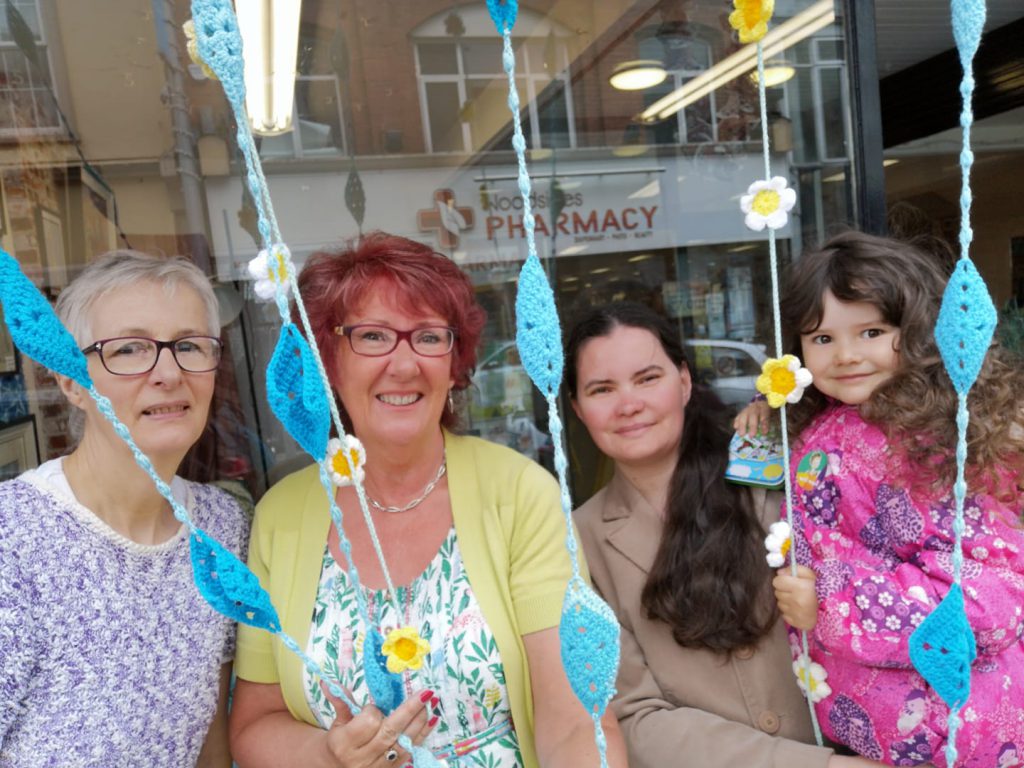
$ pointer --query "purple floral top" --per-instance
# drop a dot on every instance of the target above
(881, 548)
(109, 656)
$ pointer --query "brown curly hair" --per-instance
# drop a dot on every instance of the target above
(917, 406)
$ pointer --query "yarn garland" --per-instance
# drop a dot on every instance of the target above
(774, 219)
(942, 648)
(588, 630)
(298, 386)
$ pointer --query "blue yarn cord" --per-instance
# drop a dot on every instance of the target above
(968, 22)
(779, 352)
(270, 233)
(545, 366)
(230, 72)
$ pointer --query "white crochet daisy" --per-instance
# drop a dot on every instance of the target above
(778, 542)
(810, 677)
(345, 459)
(767, 204)
(270, 270)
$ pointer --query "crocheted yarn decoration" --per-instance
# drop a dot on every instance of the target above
(296, 394)
(299, 390)
(966, 323)
(385, 686)
(588, 630)
(35, 328)
(942, 649)
(228, 584)
(783, 379)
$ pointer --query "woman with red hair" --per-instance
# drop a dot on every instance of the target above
(471, 531)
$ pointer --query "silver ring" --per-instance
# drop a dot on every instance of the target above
(391, 755)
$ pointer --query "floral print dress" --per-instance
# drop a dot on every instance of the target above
(881, 546)
(463, 668)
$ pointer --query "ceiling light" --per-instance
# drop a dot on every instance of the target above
(638, 75)
(775, 73)
(270, 40)
(778, 39)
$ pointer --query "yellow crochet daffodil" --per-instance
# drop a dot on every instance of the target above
(750, 18)
(345, 458)
(189, 28)
(778, 542)
(782, 380)
(405, 649)
(810, 677)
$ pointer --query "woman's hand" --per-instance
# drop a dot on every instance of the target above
(797, 598)
(265, 735)
(370, 740)
(753, 420)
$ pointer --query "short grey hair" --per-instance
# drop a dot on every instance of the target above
(122, 268)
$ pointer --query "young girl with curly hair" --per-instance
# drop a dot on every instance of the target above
(874, 522)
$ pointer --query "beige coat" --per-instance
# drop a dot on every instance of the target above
(678, 706)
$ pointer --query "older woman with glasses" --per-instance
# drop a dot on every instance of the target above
(470, 531)
(108, 654)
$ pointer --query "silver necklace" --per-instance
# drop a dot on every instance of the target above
(419, 499)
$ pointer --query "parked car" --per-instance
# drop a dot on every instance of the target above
(729, 367)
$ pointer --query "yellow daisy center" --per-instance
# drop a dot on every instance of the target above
(766, 202)
(783, 381)
(339, 465)
(784, 549)
(276, 269)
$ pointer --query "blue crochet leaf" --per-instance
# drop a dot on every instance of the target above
(589, 636)
(296, 393)
(968, 21)
(219, 43)
(503, 13)
(538, 334)
(385, 687)
(942, 649)
(228, 585)
(34, 326)
(965, 325)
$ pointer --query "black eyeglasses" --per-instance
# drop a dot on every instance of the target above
(132, 355)
(379, 340)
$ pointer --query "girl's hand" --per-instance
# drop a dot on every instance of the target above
(796, 596)
(753, 420)
(369, 739)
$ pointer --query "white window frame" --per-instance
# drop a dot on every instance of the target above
(44, 47)
(295, 135)
(525, 71)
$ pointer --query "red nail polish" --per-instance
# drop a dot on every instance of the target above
(432, 721)
(434, 702)
(426, 696)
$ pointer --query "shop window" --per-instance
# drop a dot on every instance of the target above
(317, 120)
(27, 101)
(707, 119)
(463, 89)
(319, 115)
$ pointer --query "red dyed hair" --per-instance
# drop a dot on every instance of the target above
(416, 278)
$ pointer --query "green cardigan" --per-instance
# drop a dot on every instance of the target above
(511, 533)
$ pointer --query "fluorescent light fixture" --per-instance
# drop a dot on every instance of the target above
(778, 39)
(270, 40)
(775, 73)
(638, 75)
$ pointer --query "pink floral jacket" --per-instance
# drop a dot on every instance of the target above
(881, 547)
